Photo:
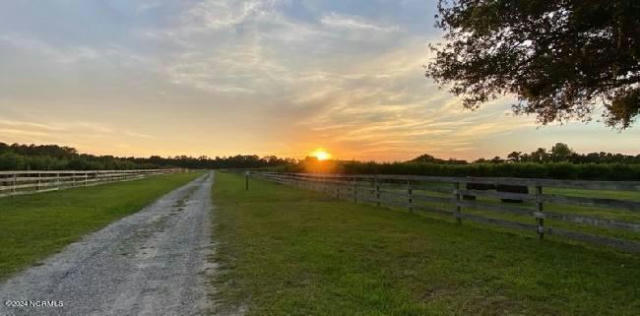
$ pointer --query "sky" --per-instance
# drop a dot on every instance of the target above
(223, 77)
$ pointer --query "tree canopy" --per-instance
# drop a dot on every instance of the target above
(561, 58)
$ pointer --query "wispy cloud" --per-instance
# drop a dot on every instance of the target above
(50, 131)
(21, 132)
(220, 14)
(30, 125)
(352, 22)
(73, 54)
(138, 135)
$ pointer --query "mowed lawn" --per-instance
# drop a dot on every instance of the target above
(287, 251)
(33, 227)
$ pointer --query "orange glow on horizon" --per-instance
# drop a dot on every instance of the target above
(320, 154)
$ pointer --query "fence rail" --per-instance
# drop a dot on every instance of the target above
(477, 199)
(33, 181)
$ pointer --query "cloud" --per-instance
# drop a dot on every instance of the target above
(20, 132)
(220, 14)
(138, 135)
(33, 128)
(73, 54)
(148, 5)
(30, 125)
(352, 22)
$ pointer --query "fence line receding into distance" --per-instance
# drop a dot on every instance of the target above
(32, 181)
(572, 206)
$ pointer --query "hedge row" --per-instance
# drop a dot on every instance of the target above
(12, 161)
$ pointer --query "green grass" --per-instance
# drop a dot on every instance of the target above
(287, 251)
(33, 227)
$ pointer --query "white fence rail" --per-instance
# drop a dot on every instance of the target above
(451, 196)
(33, 181)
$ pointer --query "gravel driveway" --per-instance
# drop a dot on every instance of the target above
(153, 262)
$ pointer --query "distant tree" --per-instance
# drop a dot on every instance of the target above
(561, 152)
(559, 57)
(514, 156)
(539, 155)
(426, 158)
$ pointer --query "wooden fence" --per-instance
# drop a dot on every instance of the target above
(572, 205)
(27, 182)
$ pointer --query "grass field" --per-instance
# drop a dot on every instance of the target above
(33, 227)
(284, 250)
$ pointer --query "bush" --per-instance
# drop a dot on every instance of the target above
(11, 161)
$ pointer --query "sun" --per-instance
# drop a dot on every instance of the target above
(320, 154)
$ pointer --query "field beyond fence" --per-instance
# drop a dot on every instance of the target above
(31, 181)
(596, 212)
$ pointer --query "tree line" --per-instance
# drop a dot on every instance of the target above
(560, 162)
(561, 152)
(54, 157)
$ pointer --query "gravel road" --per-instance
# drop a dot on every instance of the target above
(153, 262)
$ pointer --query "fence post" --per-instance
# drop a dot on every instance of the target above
(38, 183)
(15, 183)
(327, 185)
(371, 191)
(355, 190)
(458, 208)
(246, 181)
(377, 191)
(539, 213)
(410, 195)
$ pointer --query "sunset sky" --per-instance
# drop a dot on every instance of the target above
(224, 77)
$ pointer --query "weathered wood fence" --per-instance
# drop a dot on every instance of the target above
(27, 182)
(451, 196)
